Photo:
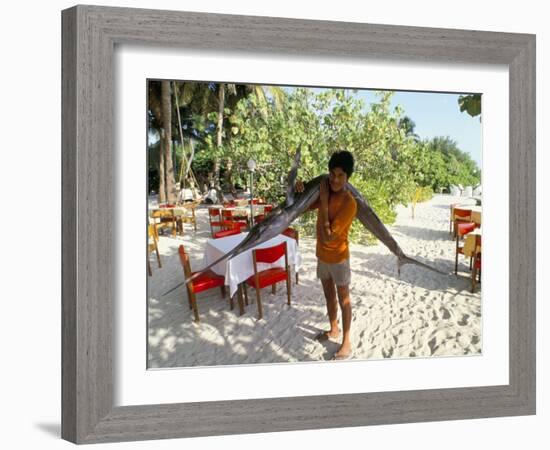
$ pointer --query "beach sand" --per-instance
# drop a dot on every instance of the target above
(418, 314)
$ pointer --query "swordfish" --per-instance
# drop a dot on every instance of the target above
(296, 204)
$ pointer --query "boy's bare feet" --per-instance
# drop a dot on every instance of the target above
(344, 352)
(326, 335)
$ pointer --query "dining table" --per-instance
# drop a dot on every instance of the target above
(241, 267)
(475, 212)
(470, 248)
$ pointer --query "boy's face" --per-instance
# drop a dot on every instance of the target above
(337, 178)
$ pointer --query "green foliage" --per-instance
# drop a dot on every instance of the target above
(392, 165)
(471, 104)
(450, 165)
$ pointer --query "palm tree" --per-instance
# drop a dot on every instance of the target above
(204, 98)
(160, 119)
(166, 102)
(235, 93)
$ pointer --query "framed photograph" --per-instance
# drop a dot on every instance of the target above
(264, 126)
(123, 329)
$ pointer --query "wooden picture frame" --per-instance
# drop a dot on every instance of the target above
(90, 34)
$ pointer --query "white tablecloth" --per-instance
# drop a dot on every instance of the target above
(241, 267)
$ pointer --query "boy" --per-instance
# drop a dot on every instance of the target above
(336, 210)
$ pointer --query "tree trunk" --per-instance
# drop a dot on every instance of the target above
(219, 136)
(229, 175)
(170, 183)
(155, 106)
(162, 187)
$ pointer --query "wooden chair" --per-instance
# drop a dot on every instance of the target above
(268, 277)
(166, 219)
(462, 228)
(188, 216)
(152, 245)
(229, 221)
(205, 281)
(215, 218)
(452, 217)
(461, 215)
(476, 270)
(293, 233)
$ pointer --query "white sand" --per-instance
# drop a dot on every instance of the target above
(419, 314)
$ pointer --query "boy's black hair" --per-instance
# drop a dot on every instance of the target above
(342, 159)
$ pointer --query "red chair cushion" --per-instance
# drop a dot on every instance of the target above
(207, 280)
(268, 277)
(465, 227)
(225, 233)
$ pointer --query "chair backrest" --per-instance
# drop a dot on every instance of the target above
(270, 254)
(213, 212)
(184, 259)
(268, 208)
(292, 233)
(227, 214)
(163, 214)
(462, 213)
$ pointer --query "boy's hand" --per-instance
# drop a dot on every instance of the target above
(299, 186)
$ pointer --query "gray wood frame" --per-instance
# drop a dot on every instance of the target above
(89, 36)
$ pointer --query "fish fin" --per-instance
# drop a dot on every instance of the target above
(292, 178)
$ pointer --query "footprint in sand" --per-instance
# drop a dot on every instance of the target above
(433, 346)
(446, 313)
(475, 339)
(464, 321)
